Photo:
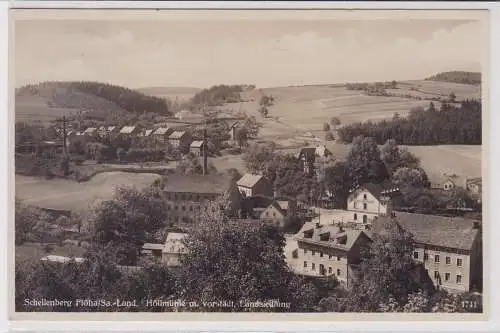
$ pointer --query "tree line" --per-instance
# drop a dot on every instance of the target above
(79, 95)
(449, 125)
(218, 95)
(457, 77)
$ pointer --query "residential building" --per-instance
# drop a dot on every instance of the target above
(180, 139)
(161, 134)
(145, 136)
(251, 184)
(90, 132)
(278, 213)
(449, 248)
(174, 248)
(233, 128)
(328, 250)
(196, 148)
(169, 252)
(130, 131)
(309, 157)
(188, 196)
(474, 185)
(367, 202)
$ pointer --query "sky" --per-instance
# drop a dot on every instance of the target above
(267, 53)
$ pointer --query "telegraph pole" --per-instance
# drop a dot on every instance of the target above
(65, 146)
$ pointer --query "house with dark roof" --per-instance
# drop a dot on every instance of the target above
(276, 213)
(233, 128)
(188, 196)
(328, 250)
(309, 156)
(449, 248)
(369, 201)
(251, 185)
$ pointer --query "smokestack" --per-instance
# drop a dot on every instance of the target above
(204, 152)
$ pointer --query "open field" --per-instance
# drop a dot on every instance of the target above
(34, 108)
(462, 160)
(69, 195)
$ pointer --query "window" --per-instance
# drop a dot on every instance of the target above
(415, 254)
(313, 266)
(305, 251)
(338, 258)
(426, 257)
(355, 205)
(436, 258)
(183, 208)
(459, 262)
(447, 276)
(321, 254)
(338, 272)
(322, 270)
(436, 274)
(459, 278)
(365, 218)
(267, 213)
(448, 260)
(364, 196)
(176, 207)
(355, 217)
(305, 264)
(330, 270)
(330, 256)
(312, 253)
(274, 214)
(190, 208)
(365, 206)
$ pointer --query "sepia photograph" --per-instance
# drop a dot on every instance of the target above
(251, 161)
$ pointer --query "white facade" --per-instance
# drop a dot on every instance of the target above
(364, 206)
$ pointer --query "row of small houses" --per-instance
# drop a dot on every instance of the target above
(176, 135)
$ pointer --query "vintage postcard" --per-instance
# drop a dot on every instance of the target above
(191, 164)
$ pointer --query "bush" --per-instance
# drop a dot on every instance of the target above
(329, 136)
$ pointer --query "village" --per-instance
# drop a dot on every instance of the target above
(248, 174)
(329, 240)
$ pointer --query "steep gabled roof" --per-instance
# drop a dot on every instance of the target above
(196, 144)
(127, 129)
(177, 134)
(249, 180)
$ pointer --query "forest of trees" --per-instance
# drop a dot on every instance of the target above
(457, 77)
(449, 125)
(218, 95)
(88, 95)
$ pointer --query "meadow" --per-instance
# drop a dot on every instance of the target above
(35, 109)
(63, 194)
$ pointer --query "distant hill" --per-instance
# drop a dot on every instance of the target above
(457, 77)
(90, 97)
